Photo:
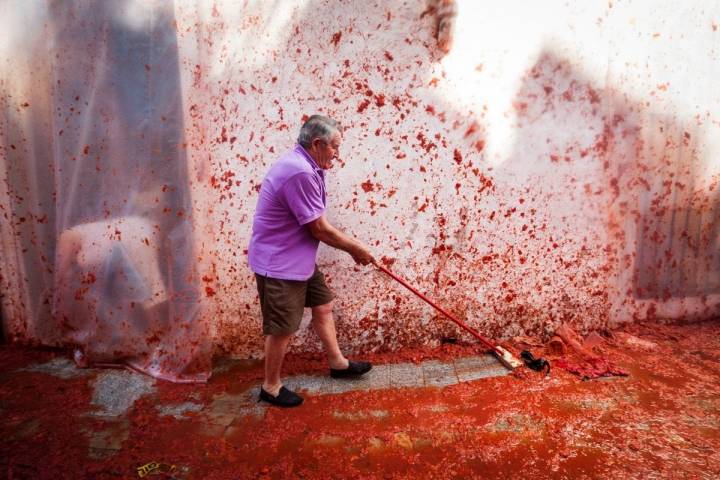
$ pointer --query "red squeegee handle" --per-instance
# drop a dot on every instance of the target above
(452, 317)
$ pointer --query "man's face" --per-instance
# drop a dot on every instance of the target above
(324, 152)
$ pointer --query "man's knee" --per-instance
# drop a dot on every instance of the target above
(276, 346)
(278, 340)
(322, 311)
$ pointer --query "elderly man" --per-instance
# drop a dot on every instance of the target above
(289, 224)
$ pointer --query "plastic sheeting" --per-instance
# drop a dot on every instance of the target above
(99, 253)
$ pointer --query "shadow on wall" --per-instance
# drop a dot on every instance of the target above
(622, 208)
(555, 181)
(679, 225)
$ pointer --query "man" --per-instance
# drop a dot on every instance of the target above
(288, 226)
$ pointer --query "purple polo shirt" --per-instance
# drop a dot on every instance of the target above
(292, 194)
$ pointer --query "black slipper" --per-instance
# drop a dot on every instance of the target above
(285, 398)
(355, 369)
(537, 364)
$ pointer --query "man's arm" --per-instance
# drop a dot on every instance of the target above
(321, 229)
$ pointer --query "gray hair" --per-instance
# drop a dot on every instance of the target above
(317, 126)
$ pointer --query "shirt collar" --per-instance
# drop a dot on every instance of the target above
(301, 150)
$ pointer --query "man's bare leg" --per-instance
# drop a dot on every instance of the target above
(324, 324)
(275, 348)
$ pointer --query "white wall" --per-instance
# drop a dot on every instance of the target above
(560, 164)
(535, 225)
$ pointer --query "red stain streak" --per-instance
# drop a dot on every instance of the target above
(472, 129)
(441, 248)
(367, 186)
(336, 38)
(603, 141)
(424, 143)
(209, 291)
(80, 293)
(380, 100)
(388, 262)
(593, 95)
(363, 105)
(457, 156)
(389, 56)
(686, 138)
(521, 107)
(226, 178)
(485, 183)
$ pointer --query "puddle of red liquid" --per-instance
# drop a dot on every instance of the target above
(659, 421)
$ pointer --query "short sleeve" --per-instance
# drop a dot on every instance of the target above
(303, 196)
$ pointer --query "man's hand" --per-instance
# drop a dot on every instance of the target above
(362, 255)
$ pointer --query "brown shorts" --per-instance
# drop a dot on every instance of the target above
(282, 301)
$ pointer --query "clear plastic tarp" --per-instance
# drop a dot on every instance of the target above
(97, 187)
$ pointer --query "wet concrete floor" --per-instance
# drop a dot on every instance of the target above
(448, 412)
